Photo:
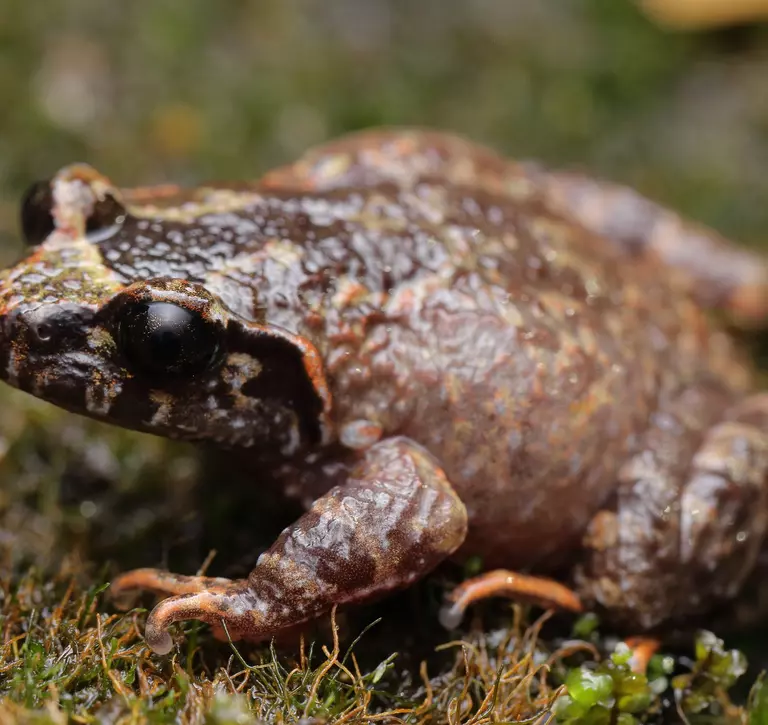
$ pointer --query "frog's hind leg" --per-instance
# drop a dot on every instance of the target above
(690, 515)
(395, 518)
(513, 585)
(719, 274)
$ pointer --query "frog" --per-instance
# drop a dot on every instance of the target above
(459, 355)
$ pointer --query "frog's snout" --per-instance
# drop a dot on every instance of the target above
(45, 350)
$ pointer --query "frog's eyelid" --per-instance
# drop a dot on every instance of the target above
(101, 235)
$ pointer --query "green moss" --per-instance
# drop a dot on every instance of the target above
(67, 656)
(757, 706)
(64, 655)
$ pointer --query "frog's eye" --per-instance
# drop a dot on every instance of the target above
(36, 217)
(108, 214)
(162, 339)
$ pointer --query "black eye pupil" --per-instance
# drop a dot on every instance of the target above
(36, 218)
(163, 339)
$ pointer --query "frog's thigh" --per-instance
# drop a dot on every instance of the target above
(394, 519)
(687, 524)
(720, 274)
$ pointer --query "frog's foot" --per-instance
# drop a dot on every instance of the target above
(719, 274)
(189, 597)
(395, 518)
(218, 602)
(690, 514)
(502, 583)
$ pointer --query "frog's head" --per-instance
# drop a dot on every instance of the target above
(161, 354)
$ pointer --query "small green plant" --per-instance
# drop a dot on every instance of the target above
(611, 692)
(757, 706)
(714, 671)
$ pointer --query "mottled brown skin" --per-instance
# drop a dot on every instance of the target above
(474, 356)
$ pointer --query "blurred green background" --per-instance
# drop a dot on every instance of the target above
(189, 90)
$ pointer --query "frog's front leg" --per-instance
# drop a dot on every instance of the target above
(395, 518)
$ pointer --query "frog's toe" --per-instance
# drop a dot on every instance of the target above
(159, 640)
(450, 615)
(214, 600)
(126, 587)
(643, 649)
(174, 609)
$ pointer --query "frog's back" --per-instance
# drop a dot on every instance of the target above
(527, 353)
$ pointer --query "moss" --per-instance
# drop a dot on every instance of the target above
(64, 655)
(68, 657)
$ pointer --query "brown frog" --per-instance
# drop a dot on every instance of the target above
(459, 354)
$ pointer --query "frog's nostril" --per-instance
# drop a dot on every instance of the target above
(30, 329)
(51, 327)
(44, 331)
